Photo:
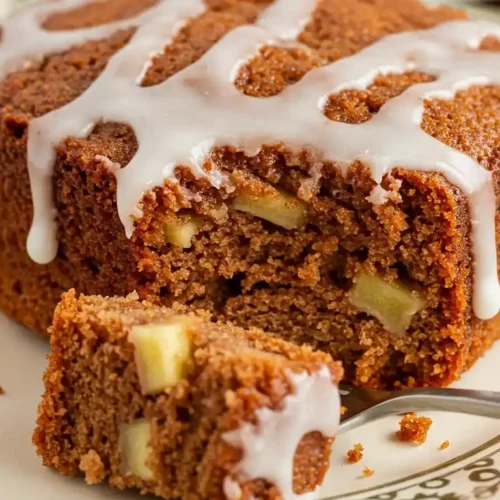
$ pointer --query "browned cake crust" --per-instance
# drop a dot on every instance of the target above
(246, 270)
(92, 389)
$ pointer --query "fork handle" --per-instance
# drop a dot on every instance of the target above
(472, 402)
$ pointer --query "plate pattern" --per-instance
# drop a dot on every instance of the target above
(474, 476)
(481, 479)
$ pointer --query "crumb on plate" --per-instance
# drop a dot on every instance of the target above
(413, 429)
(343, 409)
(444, 445)
(367, 472)
(355, 454)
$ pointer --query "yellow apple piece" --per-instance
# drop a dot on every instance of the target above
(162, 354)
(135, 449)
(181, 231)
(393, 304)
(269, 203)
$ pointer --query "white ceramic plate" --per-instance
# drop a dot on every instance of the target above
(468, 470)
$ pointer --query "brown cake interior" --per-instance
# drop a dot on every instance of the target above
(245, 269)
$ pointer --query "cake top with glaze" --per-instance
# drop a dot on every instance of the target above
(212, 88)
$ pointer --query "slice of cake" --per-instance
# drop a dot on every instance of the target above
(151, 398)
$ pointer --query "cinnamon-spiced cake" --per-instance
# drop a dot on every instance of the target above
(321, 169)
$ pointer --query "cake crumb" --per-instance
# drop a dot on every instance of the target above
(1, 390)
(343, 409)
(413, 429)
(355, 454)
(444, 445)
(367, 472)
(93, 468)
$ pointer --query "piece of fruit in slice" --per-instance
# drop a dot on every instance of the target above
(392, 304)
(134, 447)
(180, 231)
(162, 353)
(266, 202)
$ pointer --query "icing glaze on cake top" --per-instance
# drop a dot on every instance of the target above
(204, 110)
(269, 446)
(24, 39)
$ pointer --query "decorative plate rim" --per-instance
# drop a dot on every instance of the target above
(427, 475)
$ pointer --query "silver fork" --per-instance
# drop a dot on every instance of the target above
(366, 405)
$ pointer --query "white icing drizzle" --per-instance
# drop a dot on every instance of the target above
(126, 72)
(113, 167)
(203, 110)
(379, 195)
(287, 19)
(269, 446)
(24, 39)
(120, 84)
(231, 489)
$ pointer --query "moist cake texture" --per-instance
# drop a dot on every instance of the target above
(381, 267)
(242, 415)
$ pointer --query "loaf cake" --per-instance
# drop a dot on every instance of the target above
(321, 169)
(146, 397)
